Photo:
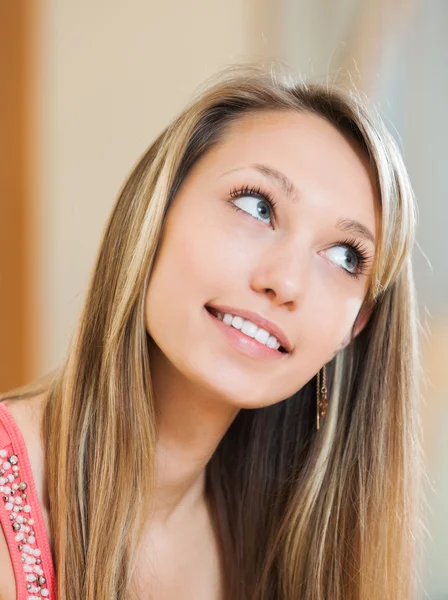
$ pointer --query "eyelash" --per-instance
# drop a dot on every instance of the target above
(359, 250)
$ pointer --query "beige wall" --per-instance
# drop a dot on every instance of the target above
(110, 75)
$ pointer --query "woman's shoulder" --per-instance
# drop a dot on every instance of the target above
(26, 414)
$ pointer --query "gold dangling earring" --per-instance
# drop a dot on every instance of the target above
(321, 402)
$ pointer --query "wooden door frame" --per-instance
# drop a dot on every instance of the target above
(16, 41)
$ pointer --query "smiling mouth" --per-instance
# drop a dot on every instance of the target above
(214, 312)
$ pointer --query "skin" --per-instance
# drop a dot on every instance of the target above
(211, 253)
(288, 270)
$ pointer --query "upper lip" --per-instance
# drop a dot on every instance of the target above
(259, 321)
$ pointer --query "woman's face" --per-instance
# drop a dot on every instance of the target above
(300, 265)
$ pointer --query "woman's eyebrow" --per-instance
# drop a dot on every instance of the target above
(356, 228)
(279, 178)
(292, 192)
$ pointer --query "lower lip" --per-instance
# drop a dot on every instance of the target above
(244, 343)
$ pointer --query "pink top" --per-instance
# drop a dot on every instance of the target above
(21, 516)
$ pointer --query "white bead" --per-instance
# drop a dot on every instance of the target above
(30, 578)
(3, 453)
(3, 480)
(10, 478)
(44, 592)
(26, 549)
(27, 569)
(15, 468)
(19, 519)
(18, 500)
(19, 537)
(6, 489)
(31, 521)
(31, 539)
(30, 560)
(36, 552)
(6, 465)
(27, 508)
(9, 506)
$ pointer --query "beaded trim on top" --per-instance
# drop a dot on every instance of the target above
(14, 498)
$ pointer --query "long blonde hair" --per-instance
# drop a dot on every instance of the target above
(300, 514)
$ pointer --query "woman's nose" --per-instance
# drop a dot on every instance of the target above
(283, 273)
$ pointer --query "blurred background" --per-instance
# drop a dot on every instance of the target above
(86, 85)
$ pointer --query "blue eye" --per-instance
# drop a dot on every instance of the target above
(254, 202)
(345, 257)
(351, 256)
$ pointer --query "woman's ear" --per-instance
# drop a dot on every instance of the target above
(362, 319)
(360, 322)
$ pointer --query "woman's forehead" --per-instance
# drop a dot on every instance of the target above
(299, 153)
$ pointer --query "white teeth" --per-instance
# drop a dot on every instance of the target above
(227, 319)
(273, 343)
(262, 336)
(237, 322)
(250, 329)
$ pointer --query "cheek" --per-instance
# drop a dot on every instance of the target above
(327, 328)
(343, 315)
(349, 311)
(214, 260)
(197, 261)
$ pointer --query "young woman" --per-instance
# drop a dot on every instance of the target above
(237, 415)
